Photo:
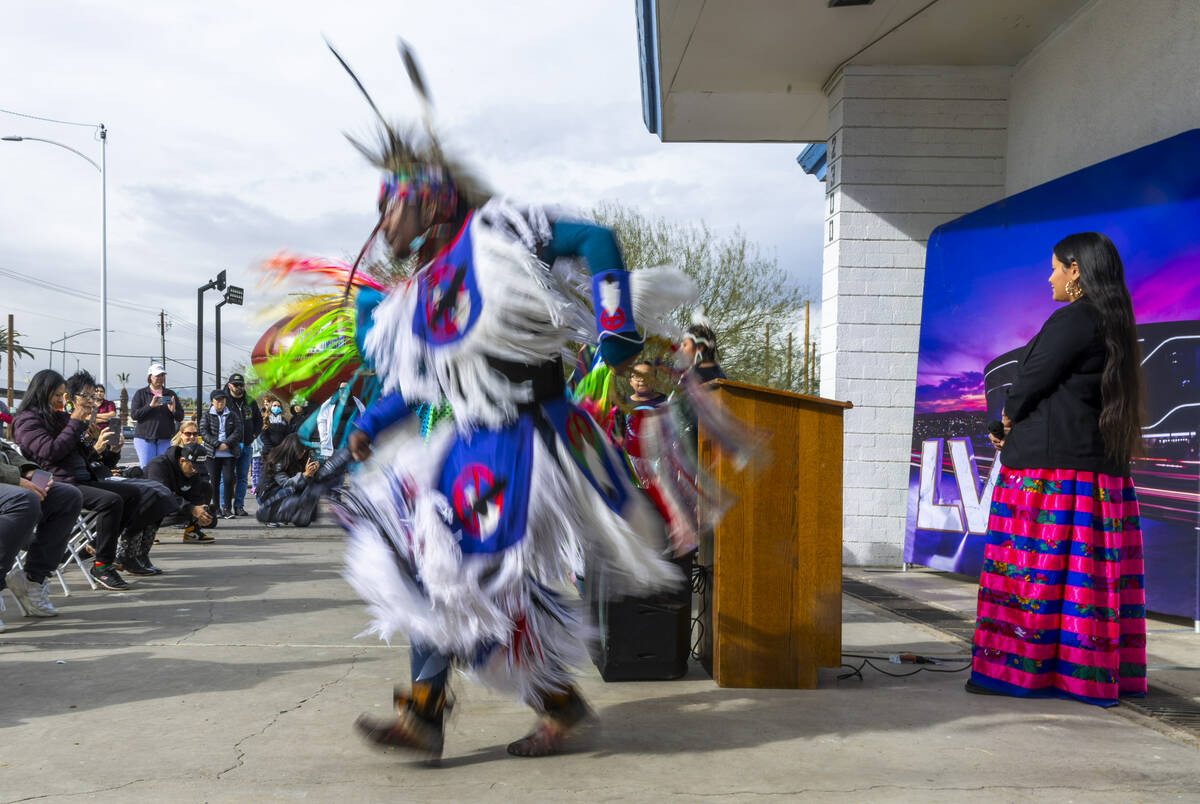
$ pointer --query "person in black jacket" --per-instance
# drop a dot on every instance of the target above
(292, 483)
(245, 408)
(1061, 601)
(182, 470)
(274, 427)
(158, 412)
(221, 430)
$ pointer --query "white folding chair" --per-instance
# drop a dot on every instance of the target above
(83, 533)
(20, 564)
(15, 599)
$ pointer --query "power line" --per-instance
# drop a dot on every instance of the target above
(79, 294)
(50, 119)
(151, 358)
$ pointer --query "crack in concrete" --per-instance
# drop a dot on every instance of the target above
(240, 755)
(211, 609)
(71, 795)
(1162, 788)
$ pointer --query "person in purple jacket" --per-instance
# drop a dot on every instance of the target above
(61, 444)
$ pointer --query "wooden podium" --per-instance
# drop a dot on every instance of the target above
(772, 608)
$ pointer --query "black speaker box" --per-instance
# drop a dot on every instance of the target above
(642, 639)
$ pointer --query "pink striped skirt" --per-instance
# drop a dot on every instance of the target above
(1062, 603)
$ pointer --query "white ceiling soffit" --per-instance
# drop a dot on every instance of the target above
(754, 70)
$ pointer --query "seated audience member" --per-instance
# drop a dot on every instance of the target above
(181, 469)
(189, 433)
(59, 442)
(222, 434)
(35, 519)
(292, 483)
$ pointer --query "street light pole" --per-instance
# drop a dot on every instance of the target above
(217, 331)
(219, 284)
(234, 295)
(63, 340)
(103, 255)
(103, 168)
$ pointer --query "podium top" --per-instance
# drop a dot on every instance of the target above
(763, 390)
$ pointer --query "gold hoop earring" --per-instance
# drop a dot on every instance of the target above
(1073, 290)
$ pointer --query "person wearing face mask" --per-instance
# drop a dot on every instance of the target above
(158, 412)
(274, 427)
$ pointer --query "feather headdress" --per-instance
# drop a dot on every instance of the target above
(414, 167)
(402, 153)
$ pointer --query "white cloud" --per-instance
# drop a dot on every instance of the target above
(226, 145)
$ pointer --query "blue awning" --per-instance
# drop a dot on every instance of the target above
(812, 160)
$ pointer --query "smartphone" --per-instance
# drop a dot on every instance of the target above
(114, 424)
(40, 478)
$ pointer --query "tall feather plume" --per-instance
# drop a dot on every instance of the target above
(421, 88)
(357, 83)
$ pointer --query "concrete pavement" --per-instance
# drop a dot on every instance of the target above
(236, 677)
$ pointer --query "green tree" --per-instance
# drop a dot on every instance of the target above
(744, 293)
(18, 349)
(123, 378)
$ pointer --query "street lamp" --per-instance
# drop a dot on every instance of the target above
(234, 295)
(103, 168)
(219, 284)
(63, 340)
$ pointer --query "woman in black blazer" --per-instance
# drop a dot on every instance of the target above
(1061, 608)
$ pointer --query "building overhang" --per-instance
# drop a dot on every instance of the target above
(758, 70)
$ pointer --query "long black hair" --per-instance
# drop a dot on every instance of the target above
(37, 398)
(1102, 280)
(290, 455)
(704, 340)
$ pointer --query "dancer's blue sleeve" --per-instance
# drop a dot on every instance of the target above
(617, 332)
(382, 414)
(365, 303)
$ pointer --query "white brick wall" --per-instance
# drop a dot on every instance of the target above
(910, 148)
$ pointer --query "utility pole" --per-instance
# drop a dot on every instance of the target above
(767, 356)
(11, 335)
(789, 374)
(162, 334)
(807, 384)
(812, 374)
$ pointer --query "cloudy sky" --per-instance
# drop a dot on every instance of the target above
(225, 144)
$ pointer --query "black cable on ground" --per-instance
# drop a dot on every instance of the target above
(923, 663)
(699, 588)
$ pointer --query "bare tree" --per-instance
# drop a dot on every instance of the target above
(746, 295)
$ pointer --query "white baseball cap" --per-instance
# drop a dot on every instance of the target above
(155, 369)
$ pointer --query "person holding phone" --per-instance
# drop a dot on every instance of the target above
(35, 515)
(59, 442)
(157, 411)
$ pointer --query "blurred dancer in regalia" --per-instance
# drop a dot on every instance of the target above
(469, 521)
